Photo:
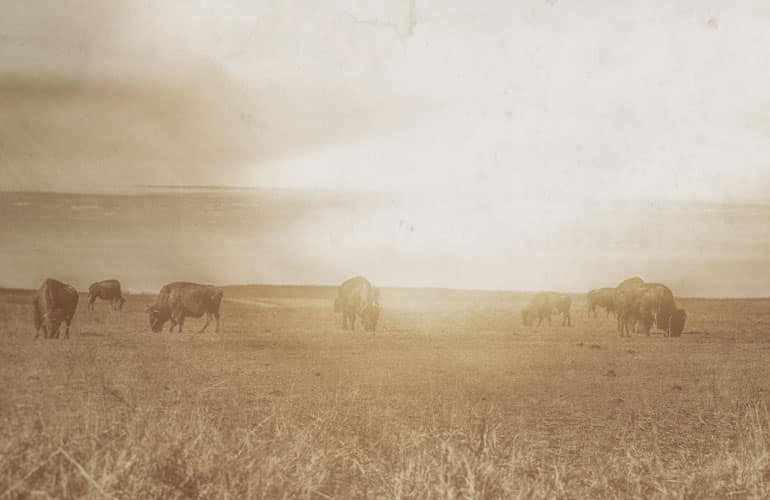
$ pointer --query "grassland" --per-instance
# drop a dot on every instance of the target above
(452, 398)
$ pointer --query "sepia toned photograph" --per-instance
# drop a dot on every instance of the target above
(384, 249)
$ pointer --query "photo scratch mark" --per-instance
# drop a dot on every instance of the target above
(404, 27)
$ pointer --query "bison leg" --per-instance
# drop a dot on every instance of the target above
(353, 322)
(181, 323)
(216, 319)
(67, 328)
(208, 320)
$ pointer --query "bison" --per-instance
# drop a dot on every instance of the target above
(601, 297)
(657, 306)
(180, 299)
(544, 304)
(108, 290)
(649, 304)
(54, 303)
(357, 297)
(626, 304)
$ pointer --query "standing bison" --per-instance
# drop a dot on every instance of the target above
(544, 304)
(657, 307)
(358, 298)
(626, 302)
(108, 290)
(648, 304)
(54, 303)
(601, 297)
(180, 299)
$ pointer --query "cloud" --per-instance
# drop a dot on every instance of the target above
(195, 126)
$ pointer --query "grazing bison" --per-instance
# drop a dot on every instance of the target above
(108, 290)
(180, 299)
(544, 304)
(649, 304)
(626, 302)
(358, 298)
(657, 307)
(601, 297)
(54, 302)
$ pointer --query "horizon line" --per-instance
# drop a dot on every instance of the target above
(407, 287)
(106, 189)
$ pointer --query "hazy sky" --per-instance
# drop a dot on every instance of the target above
(472, 114)
(319, 237)
(591, 98)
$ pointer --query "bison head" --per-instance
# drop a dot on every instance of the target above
(677, 321)
(370, 316)
(158, 317)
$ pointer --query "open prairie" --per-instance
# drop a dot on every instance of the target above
(451, 398)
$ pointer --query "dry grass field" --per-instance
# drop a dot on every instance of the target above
(451, 398)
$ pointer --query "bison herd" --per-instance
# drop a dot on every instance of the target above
(639, 305)
(636, 305)
(56, 302)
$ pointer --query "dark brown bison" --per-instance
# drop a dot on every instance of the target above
(180, 299)
(648, 305)
(601, 297)
(544, 304)
(626, 303)
(358, 298)
(54, 303)
(657, 307)
(108, 290)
